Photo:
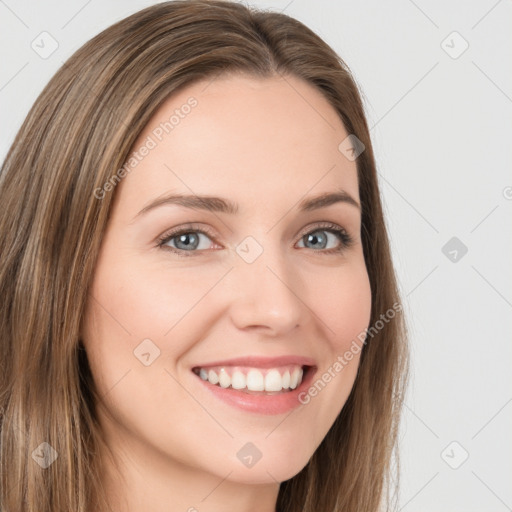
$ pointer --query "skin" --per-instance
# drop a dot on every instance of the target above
(265, 144)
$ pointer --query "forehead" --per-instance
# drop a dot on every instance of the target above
(256, 138)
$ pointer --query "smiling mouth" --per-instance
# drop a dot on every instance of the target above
(257, 381)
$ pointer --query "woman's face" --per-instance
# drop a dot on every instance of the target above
(192, 289)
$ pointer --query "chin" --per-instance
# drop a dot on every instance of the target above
(270, 471)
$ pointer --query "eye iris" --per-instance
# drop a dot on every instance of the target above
(314, 238)
(185, 239)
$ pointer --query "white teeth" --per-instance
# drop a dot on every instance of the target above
(295, 377)
(271, 380)
(255, 381)
(213, 377)
(286, 380)
(238, 380)
(224, 378)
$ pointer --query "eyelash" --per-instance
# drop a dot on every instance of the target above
(345, 239)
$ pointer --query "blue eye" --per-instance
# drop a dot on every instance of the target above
(188, 240)
(322, 237)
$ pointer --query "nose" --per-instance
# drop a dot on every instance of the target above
(267, 295)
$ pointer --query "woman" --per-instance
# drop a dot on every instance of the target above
(200, 309)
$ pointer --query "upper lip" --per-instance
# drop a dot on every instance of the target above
(261, 362)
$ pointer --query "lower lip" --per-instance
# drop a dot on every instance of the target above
(262, 404)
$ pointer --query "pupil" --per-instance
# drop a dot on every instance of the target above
(185, 240)
(315, 239)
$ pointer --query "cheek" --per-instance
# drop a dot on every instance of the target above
(134, 300)
(136, 309)
(345, 308)
(131, 309)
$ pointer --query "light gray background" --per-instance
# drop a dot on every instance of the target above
(442, 135)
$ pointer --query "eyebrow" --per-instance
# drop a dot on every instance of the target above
(221, 205)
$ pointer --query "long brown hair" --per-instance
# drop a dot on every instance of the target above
(77, 135)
